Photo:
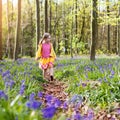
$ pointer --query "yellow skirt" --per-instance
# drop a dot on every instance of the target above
(45, 63)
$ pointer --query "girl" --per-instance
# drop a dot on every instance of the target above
(47, 56)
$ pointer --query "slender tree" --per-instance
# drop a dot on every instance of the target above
(0, 29)
(17, 37)
(94, 30)
(37, 23)
(46, 15)
(76, 17)
(8, 27)
(9, 36)
(50, 22)
(118, 31)
(72, 25)
(108, 26)
(81, 38)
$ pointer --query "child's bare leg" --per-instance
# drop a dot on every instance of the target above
(51, 73)
(46, 74)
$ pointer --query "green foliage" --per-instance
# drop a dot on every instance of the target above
(97, 81)
(15, 106)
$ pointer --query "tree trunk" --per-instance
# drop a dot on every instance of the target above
(94, 30)
(83, 27)
(41, 19)
(114, 46)
(118, 32)
(108, 33)
(17, 37)
(0, 29)
(50, 17)
(55, 28)
(76, 25)
(71, 37)
(9, 37)
(37, 23)
(46, 15)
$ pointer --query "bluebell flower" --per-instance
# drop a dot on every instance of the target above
(49, 103)
(110, 66)
(3, 95)
(57, 103)
(85, 117)
(65, 105)
(84, 84)
(68, 119)
(49, 112)
(33, 104)
(74, 98)
(40, 94)
(0, 71)
(32, 97)
(90, 114)
(77, 116)
(118, 111)
(22, 89)
(5, 73)
(78, 105)
(112, 72)
(48, 98)
(9, 83)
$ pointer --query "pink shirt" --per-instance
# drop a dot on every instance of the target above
(46, 50)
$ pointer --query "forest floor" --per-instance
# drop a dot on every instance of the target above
(57, 88)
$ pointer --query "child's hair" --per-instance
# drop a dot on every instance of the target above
(46, 35)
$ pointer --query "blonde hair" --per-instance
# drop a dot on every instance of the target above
(46, 35)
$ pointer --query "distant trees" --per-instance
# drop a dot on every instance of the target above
(69, 23)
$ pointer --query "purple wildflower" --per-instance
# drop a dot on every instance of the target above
(90, 114)
(76, 98)
(68, 119)
(5, 73)
(33, 104)
(57, 103)
(73, 99)
(31, 97)
(84, 84)
(40, 94)
(118, 111)
(65, 105)
(3, 95)
(48, 98)
(9, 83)
(49, 112)
(0, 70)
(77, 116)
(22, 88)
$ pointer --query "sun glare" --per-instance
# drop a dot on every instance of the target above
(14, 1)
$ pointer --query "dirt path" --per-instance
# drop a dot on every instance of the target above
(55, 88)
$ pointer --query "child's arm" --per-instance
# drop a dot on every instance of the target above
(38, 53)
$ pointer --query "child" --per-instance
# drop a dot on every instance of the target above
(47, 56)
